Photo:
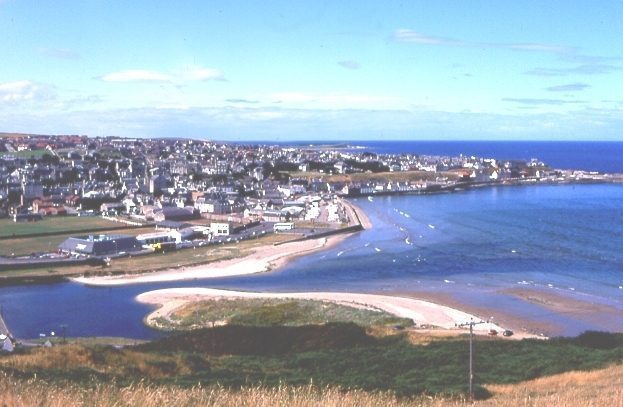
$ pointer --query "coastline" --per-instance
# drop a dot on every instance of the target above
(264, 259)
(524, 326)
(425, 314)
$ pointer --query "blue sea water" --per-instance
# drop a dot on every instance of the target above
(602, 156)
(472, 245)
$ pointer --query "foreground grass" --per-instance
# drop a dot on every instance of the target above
(596, 388)
(267, 312)
(16, 392)
(332, 355)
(603, 387)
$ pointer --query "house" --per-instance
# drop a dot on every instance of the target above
(174, 213)
(219, 229)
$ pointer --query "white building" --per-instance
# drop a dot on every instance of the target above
(219, 229)
(282, 226)
(165, 236)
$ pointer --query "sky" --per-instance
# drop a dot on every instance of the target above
(314, 70)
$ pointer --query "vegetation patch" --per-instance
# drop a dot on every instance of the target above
(55, 224)
(270, 312)
(333, 355)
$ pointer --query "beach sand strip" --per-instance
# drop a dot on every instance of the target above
(423, 313)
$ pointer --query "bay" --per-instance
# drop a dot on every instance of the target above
(472, 246)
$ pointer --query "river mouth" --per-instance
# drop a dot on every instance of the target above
(472, 249)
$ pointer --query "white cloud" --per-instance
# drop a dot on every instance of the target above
(275, 123)
(406, 35)
(20, 91)
(554, 49)
(411, 36)
(336, 100)
(187, 74)
(198, 73)
(59, 53)
(349, 64)
(136, 75)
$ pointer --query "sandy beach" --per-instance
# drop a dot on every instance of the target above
(421, 312)
(266, 258)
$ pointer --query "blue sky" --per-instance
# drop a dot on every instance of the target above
(323, 70)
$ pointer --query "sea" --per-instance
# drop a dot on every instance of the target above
(601, 156)
(478, 248)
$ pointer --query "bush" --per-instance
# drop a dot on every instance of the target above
(599, 340)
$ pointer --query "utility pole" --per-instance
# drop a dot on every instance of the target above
(64, 331)
(471, 325)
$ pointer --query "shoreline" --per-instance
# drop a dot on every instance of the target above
(264, 259)
(605, 317)
(518, 324)
(425, 314)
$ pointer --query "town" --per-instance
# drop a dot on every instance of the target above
(182, 193)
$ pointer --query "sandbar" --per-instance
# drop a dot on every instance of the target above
(423, 313)
(579, 306)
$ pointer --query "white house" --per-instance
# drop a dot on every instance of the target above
(219, 229)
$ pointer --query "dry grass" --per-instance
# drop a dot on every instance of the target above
(599, 388)
(35, 392)
(602, 387)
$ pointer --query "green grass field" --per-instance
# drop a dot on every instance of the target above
(54, 224)
(267, 312)
(27, 245)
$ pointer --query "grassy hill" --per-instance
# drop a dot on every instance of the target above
(275, 365)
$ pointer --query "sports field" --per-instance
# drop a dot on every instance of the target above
(54, 224)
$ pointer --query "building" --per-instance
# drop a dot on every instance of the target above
(164, 236)
(100, 245)
(219, 229)
(176, 214)
(283, 226)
